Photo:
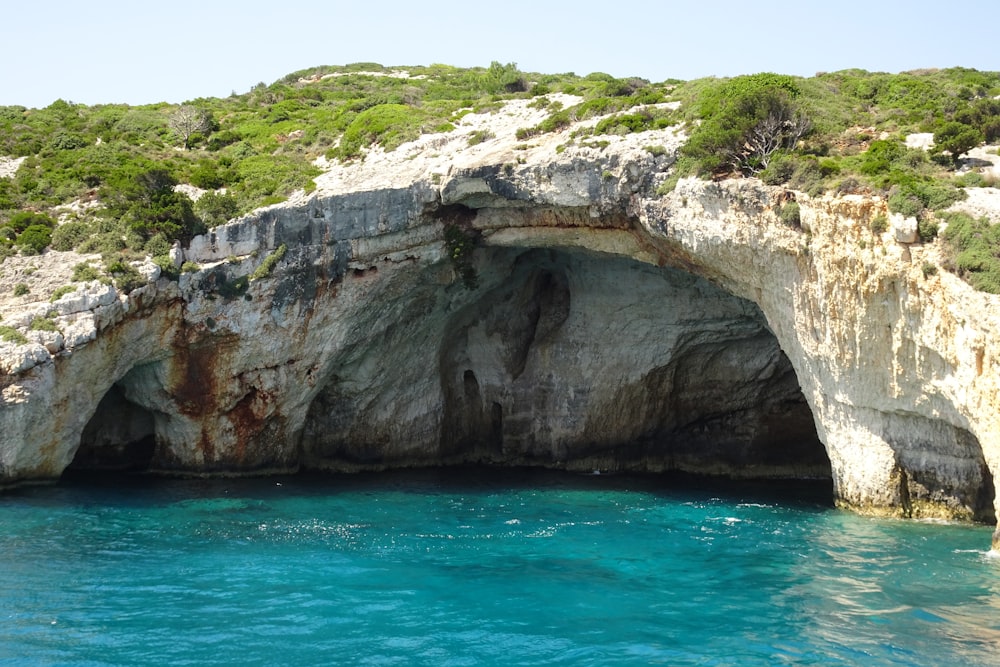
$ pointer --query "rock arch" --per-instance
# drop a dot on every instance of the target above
(121, 435)
(575, 358)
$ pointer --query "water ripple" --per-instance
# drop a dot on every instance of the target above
(602, 571)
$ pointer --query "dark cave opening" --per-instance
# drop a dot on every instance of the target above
(120, 436)
(565, 358)
(576, 360)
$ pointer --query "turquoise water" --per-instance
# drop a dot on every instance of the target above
(476, 568)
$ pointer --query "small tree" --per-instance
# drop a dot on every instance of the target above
(746, 122)
(189, 120)
(143, 198)
(957, 138)
(500, 78)
(215, 209)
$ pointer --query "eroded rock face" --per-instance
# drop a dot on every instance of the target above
(541, 366)
(606, 328)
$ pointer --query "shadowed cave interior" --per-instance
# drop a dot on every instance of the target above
(561, 358)
(120, 436)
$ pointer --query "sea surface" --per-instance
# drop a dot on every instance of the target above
(472, 567)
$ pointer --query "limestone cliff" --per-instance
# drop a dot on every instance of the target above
(541, 305)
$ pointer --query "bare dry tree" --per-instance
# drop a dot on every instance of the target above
(187, 121)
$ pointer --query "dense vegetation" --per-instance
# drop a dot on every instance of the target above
(841, 131)
(246, 150)
(845, 131)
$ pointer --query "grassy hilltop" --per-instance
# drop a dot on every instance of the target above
(838, 132)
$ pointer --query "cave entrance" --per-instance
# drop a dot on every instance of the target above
(120, 436)
(564, 358)
(588, 362)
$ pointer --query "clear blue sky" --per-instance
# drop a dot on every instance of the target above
(106, 51)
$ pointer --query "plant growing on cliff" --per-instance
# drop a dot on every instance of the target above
(216, 209)
(460, 244)
(69, 235)
(84, 272)
(126, 277)
(790, 214)
(745, 121)
(61, 292)
(12, 335)
(879, 224)
(501, 78)
(956, 139)
(972, 250)
(43, 324)
(479, 136)
(386, 124)
(270, 262)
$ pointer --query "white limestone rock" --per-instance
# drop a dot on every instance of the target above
(600, 313)
(904, 228)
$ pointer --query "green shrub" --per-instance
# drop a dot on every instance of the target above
(905, 203)
(207, 175)
(927, 228)
(126, 277)
(745, 121)
(34, 239)
(791, 214)
(143, 198)
(387, 124)
(640, 121)
(220, 140)
(500, 78)
(972, 249)
(263, 177)
(479, 136)
(61, 292)
(84, 272)
(167, 268)
(779, 170)
(879, 224)
(69, 235)
(808, 175)
(21, 289)
(42, 324)
(555, 122)
(972, 179)
(157, 245)
(881, 157)
(913, 192)
(12, 335)
(106, 243)
(22, 220)
(270, 262)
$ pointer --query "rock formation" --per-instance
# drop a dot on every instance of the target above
(530, 306)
